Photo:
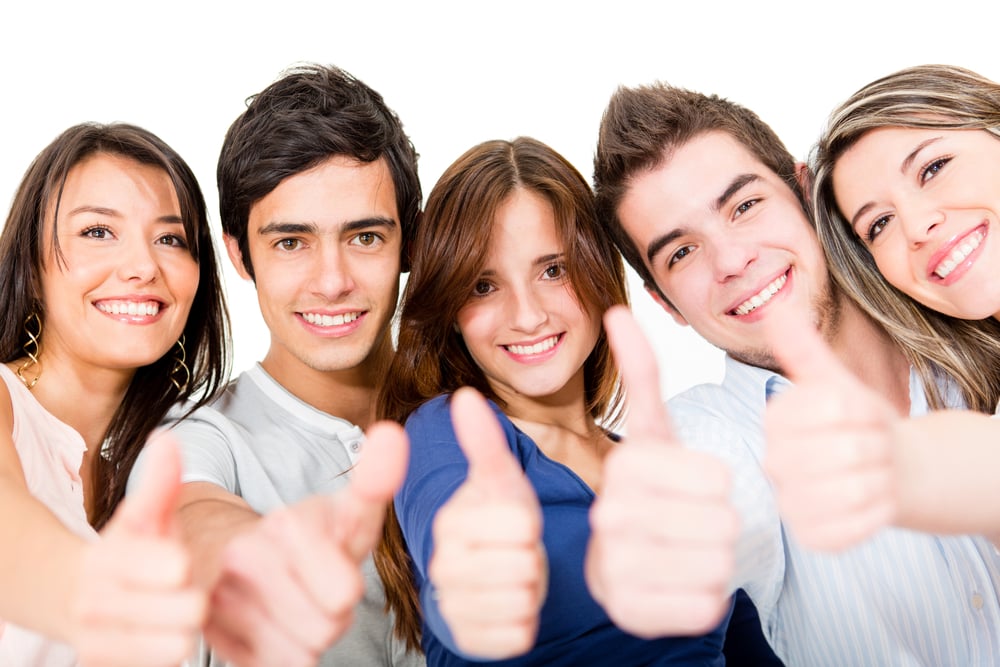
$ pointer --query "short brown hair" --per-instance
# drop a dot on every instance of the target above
(643, 126)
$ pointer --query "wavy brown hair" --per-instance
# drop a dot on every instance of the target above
(151, 392)
(927, 96)
(449, 251)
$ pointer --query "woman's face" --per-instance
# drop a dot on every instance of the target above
(926, 202)
(120, 296)
(523, 325)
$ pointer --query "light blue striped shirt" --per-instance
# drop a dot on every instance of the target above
(902, 598)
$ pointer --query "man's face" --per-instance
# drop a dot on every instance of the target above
(325, 248)
(727, 242)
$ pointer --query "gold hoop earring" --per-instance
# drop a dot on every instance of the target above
(32, 349)
(180, 368)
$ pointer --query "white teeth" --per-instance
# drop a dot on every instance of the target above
(958, 255)
(761, 297)
(330, 320)
(537, 348)
(141, 308)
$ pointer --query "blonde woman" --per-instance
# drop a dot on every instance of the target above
(907, 205)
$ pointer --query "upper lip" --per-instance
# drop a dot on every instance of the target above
(751, 292)
(534, 341)
(332, 313)
(946, 248)
(136, 298)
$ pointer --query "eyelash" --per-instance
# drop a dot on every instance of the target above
(745, 206)
(559, 266)
(936, 165)
(96, 228)
(871, 233)
(475, 290)
(677, 256)
(376, 238)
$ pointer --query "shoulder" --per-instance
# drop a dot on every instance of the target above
(433, 419)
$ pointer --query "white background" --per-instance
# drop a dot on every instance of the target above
(457, 74)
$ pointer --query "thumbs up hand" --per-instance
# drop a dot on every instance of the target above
(288, 585)
(489, 568)
(135, 603)
(829, 443)
(662, 548)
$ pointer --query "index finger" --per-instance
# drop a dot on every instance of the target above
(647, 416)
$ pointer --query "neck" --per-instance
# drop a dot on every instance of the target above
(348, 393)
(566, 409)
(868, 352)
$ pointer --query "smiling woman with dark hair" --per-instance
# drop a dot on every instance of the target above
(510, 276)
(114, 313)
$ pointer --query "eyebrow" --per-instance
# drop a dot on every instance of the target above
(545, 259)
(734, 186)
(903, 168)
(311, 228)
(737, 184)
(112, 213)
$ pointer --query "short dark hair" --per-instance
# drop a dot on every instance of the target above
(206, 333)
(310, 114)
(643, 126)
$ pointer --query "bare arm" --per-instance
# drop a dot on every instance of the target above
(41, 558)
(123, 599)
(946, 472)
(210, 517)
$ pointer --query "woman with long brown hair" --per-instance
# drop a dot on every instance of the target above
(509, 278)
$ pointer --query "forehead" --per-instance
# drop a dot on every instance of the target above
(687, 182)
(524, 222)
(339, 189)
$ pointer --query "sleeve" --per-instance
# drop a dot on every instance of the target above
(206, 439)
(437, 468)
(760, 552)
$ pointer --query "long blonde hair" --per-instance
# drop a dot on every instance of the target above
(927, 96)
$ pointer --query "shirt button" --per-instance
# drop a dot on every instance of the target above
(977, 601)
(355, 447)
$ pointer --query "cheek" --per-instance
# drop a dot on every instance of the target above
(477, 324)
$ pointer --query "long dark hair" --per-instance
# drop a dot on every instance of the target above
(449, 251)
(151, 392)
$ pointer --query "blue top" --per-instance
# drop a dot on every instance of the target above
(573, 629)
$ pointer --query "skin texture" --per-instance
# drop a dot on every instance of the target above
(489, 567)
(324, 243)
(287, 586)
(724, 244)
(661, 553)
(126, 598)
(922, 200)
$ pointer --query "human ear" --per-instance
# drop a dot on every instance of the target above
(666, 305)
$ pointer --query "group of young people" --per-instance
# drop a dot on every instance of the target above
(829, 503)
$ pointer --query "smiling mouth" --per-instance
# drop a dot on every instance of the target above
(137, 308)
(761, 297)
(319, 320)
(959, 254)
(537, 348)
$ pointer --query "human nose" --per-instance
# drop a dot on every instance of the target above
(138, 262)
(331, 273)
(527, 311)
(732, 257)
(919, 220)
